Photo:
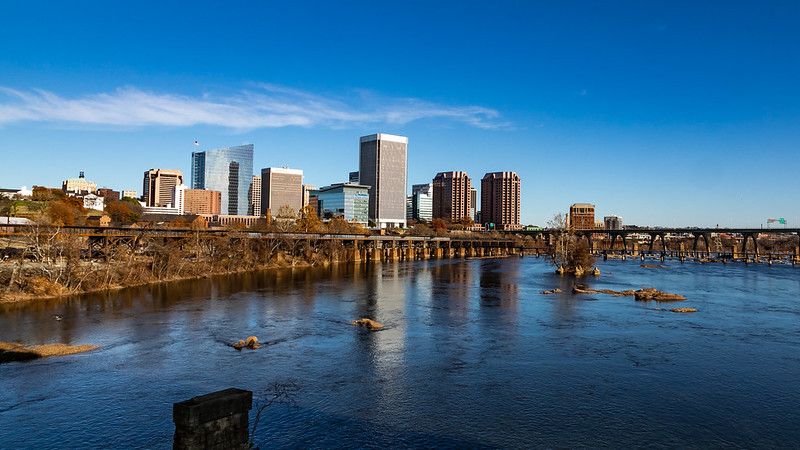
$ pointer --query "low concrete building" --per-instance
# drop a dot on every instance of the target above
(223, 220)
(172, 221)
(161, 210)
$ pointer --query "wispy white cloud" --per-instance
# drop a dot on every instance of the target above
(263, 106)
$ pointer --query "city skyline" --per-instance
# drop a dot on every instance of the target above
(666, 115)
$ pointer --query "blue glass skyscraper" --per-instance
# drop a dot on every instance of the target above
(228, 170)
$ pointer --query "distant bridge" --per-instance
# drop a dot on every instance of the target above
(655, 233)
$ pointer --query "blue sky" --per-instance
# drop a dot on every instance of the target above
(666, 113)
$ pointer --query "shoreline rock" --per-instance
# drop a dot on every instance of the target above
(10, 351)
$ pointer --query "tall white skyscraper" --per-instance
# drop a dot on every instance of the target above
(383, 167)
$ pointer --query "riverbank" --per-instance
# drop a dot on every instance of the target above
(32, 286)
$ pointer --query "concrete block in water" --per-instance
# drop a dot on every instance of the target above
(219, 420)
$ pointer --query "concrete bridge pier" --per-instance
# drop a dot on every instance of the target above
(375, 254)
(354, 255)
(462, 252)
(214, 421)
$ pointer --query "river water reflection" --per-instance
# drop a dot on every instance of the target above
(472, 356)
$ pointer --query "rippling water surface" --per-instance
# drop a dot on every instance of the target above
(472, 356)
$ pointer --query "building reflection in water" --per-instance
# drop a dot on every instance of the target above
(451, 295)
(381, 296)
(499, 283)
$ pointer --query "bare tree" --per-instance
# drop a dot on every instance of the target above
(275, 393)
(566, 251)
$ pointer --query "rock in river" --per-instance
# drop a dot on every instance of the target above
(654, 294)
(252, 343)
(369, 323)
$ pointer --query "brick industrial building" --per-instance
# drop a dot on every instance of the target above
(581, 216)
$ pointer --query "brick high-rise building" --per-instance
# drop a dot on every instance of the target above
(451, 196)
(382, 166)
(500, 200)
(581, 216)
(158, 186)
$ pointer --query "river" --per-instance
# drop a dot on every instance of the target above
(472, 355)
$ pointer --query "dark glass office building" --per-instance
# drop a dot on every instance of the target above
(228, 170)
